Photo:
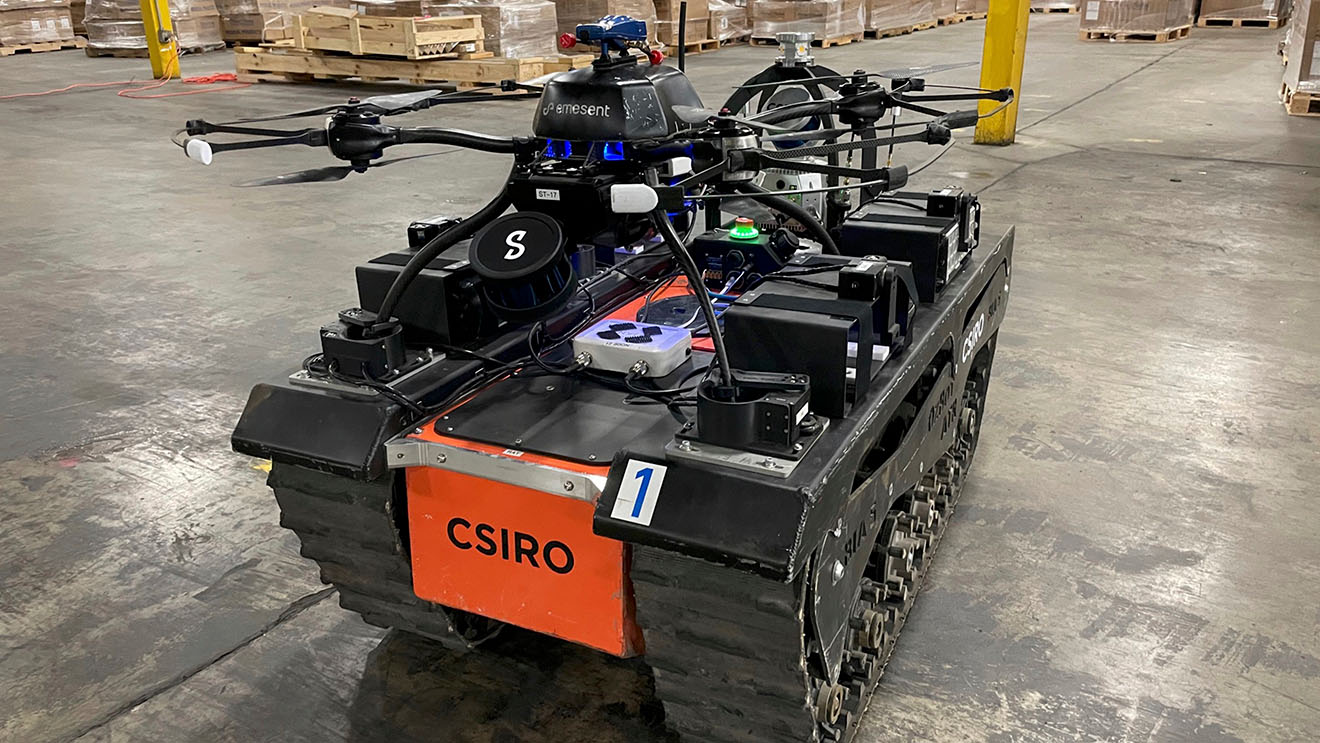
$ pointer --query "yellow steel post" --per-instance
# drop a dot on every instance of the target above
(1001, 67)
(161, 44)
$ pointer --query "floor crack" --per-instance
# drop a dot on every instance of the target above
(291, 611)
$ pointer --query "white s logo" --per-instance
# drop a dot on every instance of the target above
(516, 248)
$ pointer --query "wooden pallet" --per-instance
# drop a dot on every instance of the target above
(949, 20)
(1212, 22)
(960, 17)
(331, 29)
(881, 33)
(693, 47)
(1300, 103)
(76, 42)
(287, 64)
(1061, 9)
(822, 43)
(1172, 34)
(141, 53)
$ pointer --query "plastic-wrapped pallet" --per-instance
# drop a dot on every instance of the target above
(1301, 73)
(667, 15)
(887, 15)
(34, 22)
(1265, 10)
(1053, 4)
(571, 13)
(1135, 16)
(728, 21)
(78, 9)
(944, 8)
(973, 6)
(117, 24)
(513, 28)
(827, 19)
(263, 20)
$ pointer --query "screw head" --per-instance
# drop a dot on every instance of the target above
(568, 486)
(549, 388)
(440, 458)
(685, 445)
(399, 455)
(591, 457)
(518, 442)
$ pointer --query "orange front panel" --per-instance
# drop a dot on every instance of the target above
(521, 556)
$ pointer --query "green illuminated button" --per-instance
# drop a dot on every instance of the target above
(744, 229)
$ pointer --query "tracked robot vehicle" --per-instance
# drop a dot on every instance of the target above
(610, 408)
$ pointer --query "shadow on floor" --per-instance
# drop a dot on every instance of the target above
(518, 688)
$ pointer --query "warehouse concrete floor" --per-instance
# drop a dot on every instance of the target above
(1135, 558)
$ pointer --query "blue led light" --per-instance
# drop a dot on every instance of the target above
(567, 150)
(549, 148)
(614, 150)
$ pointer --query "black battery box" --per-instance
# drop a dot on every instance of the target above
(442, 305)
(932, 243)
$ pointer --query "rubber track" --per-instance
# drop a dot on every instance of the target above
(347, 527)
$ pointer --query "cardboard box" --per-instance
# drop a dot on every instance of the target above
(1262, 9)
(882, 15)
(1135, 16)
(23, 26)
(1054, 4)
(728, 21)
(667, 10)
(827, 19)
(1301, 73)
(697, 28)
(570, 13)
(514, 28)
(117, 24)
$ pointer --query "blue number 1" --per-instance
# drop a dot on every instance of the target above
(645, 476)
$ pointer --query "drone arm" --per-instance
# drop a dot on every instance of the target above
(309, 137)
(459, 138)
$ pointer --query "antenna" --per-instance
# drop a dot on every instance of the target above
(682, 36)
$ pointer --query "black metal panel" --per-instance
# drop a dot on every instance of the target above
(319, 430)
(566, 417)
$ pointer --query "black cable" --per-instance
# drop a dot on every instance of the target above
(791, 209)
(666, 230)
(437, 245)
(800, 282)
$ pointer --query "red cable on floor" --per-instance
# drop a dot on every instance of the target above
(218, 77)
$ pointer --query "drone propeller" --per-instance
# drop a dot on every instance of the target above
(329, 174)
(382, 105)
(903, 73)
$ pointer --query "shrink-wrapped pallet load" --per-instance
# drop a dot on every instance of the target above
(26, 22)
(117, 25)
(667, 15)
(827, 19)
(894, 15)
(514, 28)
(1301, 70)
(1270, 11)
(975, 7)
(571, 13)
(1055, 5)
(728, 21)
(263, 20)
(1135, 16)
